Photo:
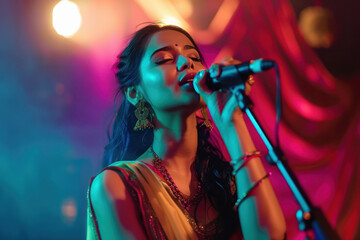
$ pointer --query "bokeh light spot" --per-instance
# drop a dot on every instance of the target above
(66, 18)
(69, 209)
(317, 25)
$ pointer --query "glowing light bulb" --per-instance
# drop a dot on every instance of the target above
(66, 18)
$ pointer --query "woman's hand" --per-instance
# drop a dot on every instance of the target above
(267, 221)
(222, 104)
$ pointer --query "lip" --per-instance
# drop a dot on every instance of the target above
(187, 78)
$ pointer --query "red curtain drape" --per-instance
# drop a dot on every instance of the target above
(320, 127)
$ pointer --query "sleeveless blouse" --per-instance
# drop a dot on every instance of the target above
(159, 211)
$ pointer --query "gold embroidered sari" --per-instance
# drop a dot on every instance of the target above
(159, 211)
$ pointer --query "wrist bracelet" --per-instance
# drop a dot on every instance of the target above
(247, 193)
(246, 158)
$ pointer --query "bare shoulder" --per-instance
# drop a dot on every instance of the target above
(114, 208)
(107, 184)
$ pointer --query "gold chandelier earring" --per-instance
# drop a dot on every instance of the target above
(142, 113)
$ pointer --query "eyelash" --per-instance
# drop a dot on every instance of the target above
(166, 60)
(195, 59)
(163, 61)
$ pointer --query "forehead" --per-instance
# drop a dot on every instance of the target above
(168, 38)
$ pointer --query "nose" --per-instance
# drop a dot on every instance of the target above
(184, 63)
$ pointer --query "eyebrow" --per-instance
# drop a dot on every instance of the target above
(168, 48)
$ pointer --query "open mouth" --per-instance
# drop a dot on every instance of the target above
(187, 78)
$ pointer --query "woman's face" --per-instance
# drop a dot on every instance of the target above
(167, 69)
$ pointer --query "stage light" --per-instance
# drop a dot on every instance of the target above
(170, 21)
(66, 18)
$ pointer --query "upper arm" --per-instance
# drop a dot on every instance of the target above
(114, 208)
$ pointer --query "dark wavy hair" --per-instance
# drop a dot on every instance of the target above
(124, 143)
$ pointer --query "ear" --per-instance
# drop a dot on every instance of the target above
(133, 95)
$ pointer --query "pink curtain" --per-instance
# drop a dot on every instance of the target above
(320, 128)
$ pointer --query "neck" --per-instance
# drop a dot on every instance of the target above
(176, 140)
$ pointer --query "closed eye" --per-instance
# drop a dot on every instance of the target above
(163, 61)
(195, 59)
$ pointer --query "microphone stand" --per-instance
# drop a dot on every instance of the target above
(310, 218)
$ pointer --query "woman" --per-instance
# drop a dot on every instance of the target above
(179, 186)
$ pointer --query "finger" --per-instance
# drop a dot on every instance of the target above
(215, 70)
(247, 88)
(229, 61)
(248, 84)
(199, 82)
(250, 80)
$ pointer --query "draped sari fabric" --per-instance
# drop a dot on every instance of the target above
(161, 214)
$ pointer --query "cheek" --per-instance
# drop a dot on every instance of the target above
(164, 75)
(199, 66)
(159, 85)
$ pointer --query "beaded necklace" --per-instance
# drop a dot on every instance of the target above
(202, 231)
(186, 201)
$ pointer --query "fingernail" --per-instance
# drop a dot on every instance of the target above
(214, 70)
(201, 74)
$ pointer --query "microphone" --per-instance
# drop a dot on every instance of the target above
(233, 75)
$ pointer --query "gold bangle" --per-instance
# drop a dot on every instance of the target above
(246, 194)
(246, 158)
